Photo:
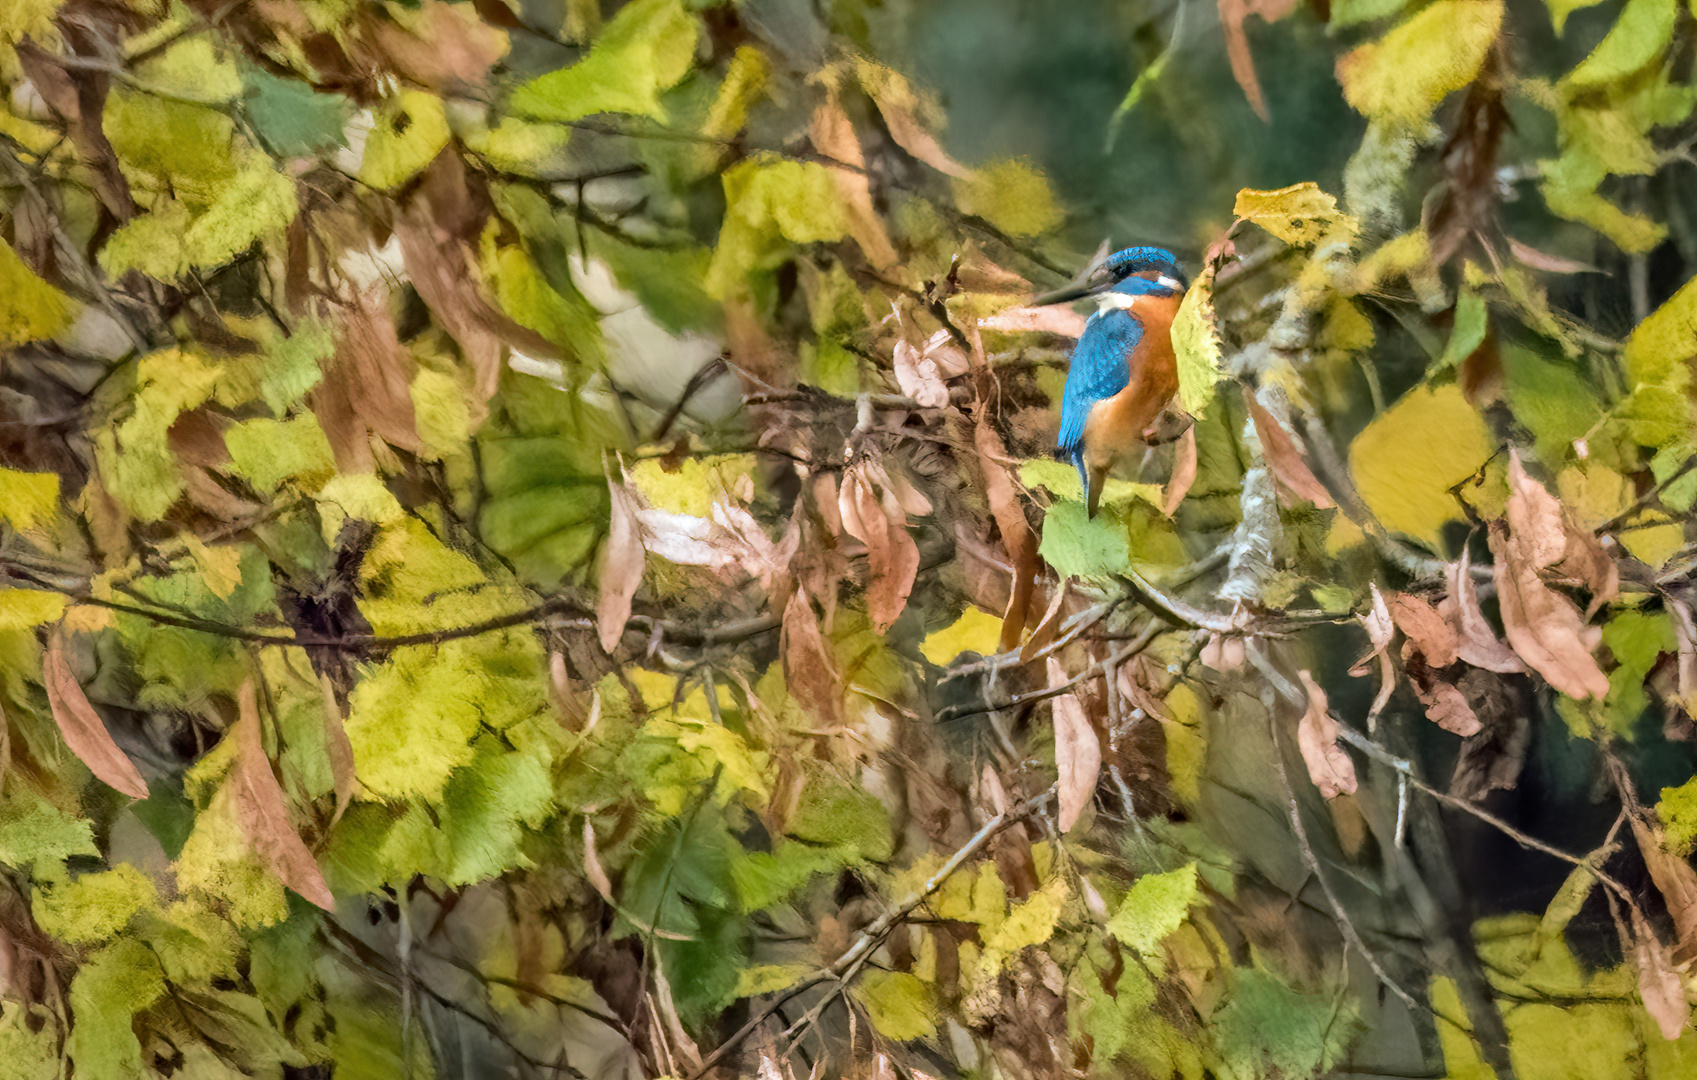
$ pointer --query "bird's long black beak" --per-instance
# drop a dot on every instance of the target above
(1065, 295)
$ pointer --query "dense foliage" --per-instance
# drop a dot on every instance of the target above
(531, 545)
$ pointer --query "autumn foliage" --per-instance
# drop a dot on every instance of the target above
(531, 547)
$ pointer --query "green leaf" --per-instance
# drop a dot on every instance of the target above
(32, 828)
(1196, 345)
(1659, 346)
(266, 453)
(769, 202)
(845, 817)
(28, 1054)
(170, 146)
(1678, 813)
(1154, 907)
(1405, 74)
(1029, 922)
(291, 366)
(647, 48)
(1012, 195)
(28, 499)
(1268, 1028)
(1407, 459)
(30, 308)
(291, 117)
(898, 1004)
(1472, 318)
(194, 943)
(110, 988)
(1078, 546)
(1643, 30)
(763, 878)
(192, 67)
(407, 132)
(94, 906)
(485, 809)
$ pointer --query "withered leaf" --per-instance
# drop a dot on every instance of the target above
(448, 48)
(1184, 472)
(911, 136)
(1011, 523)
(891, 554)
(808, 672)
(1676, 881)
(367, 386)
(1544, 627)
(264, 813)
(1380, 630)
(1329, 766)
(1284, 459)
(1445, 704)
(338, 748)
(1659, 985)
(621, 562)
(1476, 642)
(833, 135)
(1424, 628)
(592, 868)
(1078, 755)
(85, 733)
(1048, 626)
(1061, 321)
(1534, 518)
(1232, 14)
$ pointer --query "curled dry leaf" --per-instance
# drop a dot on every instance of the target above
(1048, 626)
(620, 567)
(1676, 881)
(1476, 642)
(85, 733)
(1283, 457)
(1184, 472)
(448, 47)
(592, 868)
(264, 811)
(1425, 629)
(1659, 985)
(833, 135)
(1380, 630)
(367, 387)
(1445, 704)
(1061, 321)
(1317, 738)
(339, 748)
(1011, 523)
(1544, 627)
(808, 671)
(1232, 14)
(891, 554)
(1552, 539)
(1078, 755)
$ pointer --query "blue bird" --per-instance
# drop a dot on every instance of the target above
(1123, 371)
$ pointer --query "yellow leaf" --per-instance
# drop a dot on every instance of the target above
(1406, 460)
(21, 609)
(28, 499)
(1013, 196)
(30, 308)
(1653, 538)
(898, 1004)
(1299, 214)
(1196, 344)
(1405, 74)
(408, 131)
(974, 631)
(1660, 344)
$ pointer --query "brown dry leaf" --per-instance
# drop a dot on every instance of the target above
(592, 868)
(338, 749)
(1048, 626)
(1317, 738)
(1676, 881)
(367, 386)
(85, 733)
(1534, 517)
(197, 438)
(1424, 628)
(1585, 561)
(1380, 630)
(442, 46)
(1476, 642)
(918, 377)
(911, 136)
(1078, 755)
(620, 569)
(1685, 633)
(1232, 14)
(1544, 627)
(264, 813)
(1284, 459)
(891, 554)
(1059, 319)
(1446, 705)
(1184, 472)
(1540, 260)
(833, 135)
(1658, 983)
(808, 671)
(1005, 507)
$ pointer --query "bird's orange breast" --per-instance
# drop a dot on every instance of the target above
(1118, 423)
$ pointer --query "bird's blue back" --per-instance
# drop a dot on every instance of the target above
(1098, 372)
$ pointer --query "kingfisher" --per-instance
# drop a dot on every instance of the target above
(1123, 371)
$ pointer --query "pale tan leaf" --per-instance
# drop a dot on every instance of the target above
(443, 272)
(1534, 517)
(1049, 319)
(1329, 766)
(620, 565)
(913, 138)
(833, 136)
(1184, 472)
(448, 47)
(264, 812)
(338, 749)
(1232, 14)
(1544, 627)
(1425, 629)
(367, 386)
(918, 377)
(1586, 562)
(84, 732)
(1010, 518)
(907, 497)
(592, 868)
(1380, 630)
(1676, 881)
(1078, 754)
(1048, 626)
(1446, 706)
(808, 671)
(1540, 260)
(1476, 642)
(1284, 459)
(1659, 985)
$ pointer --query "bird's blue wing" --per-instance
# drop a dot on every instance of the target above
(1098, 372)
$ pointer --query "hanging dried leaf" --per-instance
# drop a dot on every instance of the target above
(1016, 535)
(1534, 518)
(264, 812)
(891, 554)
(1445, 704)
(1078, 754)
(1184, 472)
(1425, 629)
(592, 868)
(84, 732)
(339, 749)
(448, 47)
(1317, 738)
(1676, 881)
(1476, 642)
(1048, 626)
(1544, 627)
(808, 670)
(1284, 459)
(620, 570)
(833, 136)
(367, 387)
(1380, 630)
(1659, 985)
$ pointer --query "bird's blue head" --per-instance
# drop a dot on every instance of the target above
(1153, 265)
